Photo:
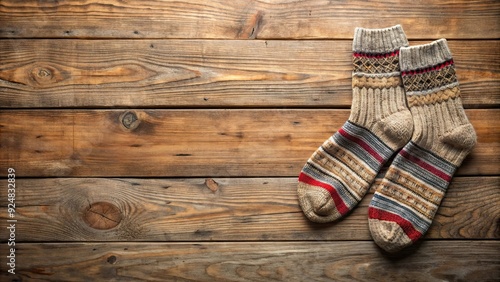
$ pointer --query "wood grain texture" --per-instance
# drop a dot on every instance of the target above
(245, 18)
(190, 143)
(255, 261)
(242, 209)
(207, 73)
(161, 140)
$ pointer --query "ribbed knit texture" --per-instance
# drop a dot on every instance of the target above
(340, 172)
(407, 199)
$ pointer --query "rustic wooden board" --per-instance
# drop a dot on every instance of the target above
(190, 143)
(234, 209)
(207, 73)
(245, 18)
(255, 261)
(153, 141)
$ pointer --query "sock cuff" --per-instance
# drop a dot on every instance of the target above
(424, 56)
(380, 40)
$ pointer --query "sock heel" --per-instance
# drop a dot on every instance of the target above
(396, 128)
(462, 137)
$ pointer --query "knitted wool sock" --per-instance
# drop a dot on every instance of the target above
(339, 173)
(407, 199)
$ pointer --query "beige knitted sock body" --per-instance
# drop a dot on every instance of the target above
(407, 199)
(340, 172)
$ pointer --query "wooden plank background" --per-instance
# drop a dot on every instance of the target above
(260, 261)
(161, 140)
(207, 73)
(245, 19)
(241, 209)
(193, 143)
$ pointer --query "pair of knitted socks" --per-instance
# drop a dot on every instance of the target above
(406, 101)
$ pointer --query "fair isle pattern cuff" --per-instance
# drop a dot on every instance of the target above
(428, 73)
(376, 51)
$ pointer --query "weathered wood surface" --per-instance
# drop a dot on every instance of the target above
(201, 134)
(228, 209)
(190, 143)
(206, 73)
(245, 18)
(255, 261)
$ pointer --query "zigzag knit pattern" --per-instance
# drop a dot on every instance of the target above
(339, 173)
(407, 199)
(435, 97)
(362, 81)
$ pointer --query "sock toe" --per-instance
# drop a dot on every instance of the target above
(317, 204)
(388, 235)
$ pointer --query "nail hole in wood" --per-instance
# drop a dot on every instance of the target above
(111, 259)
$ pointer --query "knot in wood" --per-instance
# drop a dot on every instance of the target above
(43, 75)
(130, 120)
(212, 184)
(102, 216)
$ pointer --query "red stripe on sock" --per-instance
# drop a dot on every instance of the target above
(431, 68)
(375, 56)
(425, 165)
(363, 144)
(339, 204)
(407, 227)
